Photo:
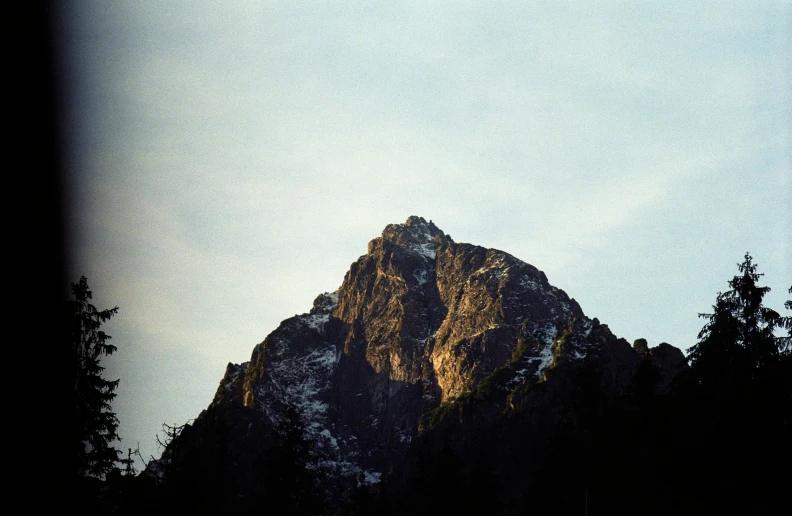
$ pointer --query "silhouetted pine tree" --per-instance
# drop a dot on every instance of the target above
(741, 329)
(95, 424)
(128, 464)
(737, 401)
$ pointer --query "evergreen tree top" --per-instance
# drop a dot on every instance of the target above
(741, 329)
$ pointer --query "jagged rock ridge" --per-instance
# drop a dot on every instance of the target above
(418, 321)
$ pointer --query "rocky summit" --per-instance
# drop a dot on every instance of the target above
(425, 337)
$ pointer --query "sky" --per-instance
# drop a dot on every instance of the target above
(226, 162)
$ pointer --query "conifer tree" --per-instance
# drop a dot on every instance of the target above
(739, 337)
(95, 424)
(737, 402)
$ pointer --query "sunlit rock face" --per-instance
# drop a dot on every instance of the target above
(419, 320)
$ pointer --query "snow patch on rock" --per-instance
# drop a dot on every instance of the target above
(427, 250)
(421, 275)
(300, 380)
(544, 359)
(241, 368)
(528, 283)
(371, 477)
(316, 321)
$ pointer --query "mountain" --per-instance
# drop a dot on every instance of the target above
(427, 345)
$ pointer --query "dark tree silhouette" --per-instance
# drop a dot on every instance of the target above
(95, 424)
(128, 464)
(168, 445)
(738, 401)
(739, 337)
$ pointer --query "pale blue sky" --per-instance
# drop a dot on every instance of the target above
(229, 161)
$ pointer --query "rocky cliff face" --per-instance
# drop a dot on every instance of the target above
(419, 322)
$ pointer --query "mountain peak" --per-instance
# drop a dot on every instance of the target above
(417, 235)
(427, 340)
